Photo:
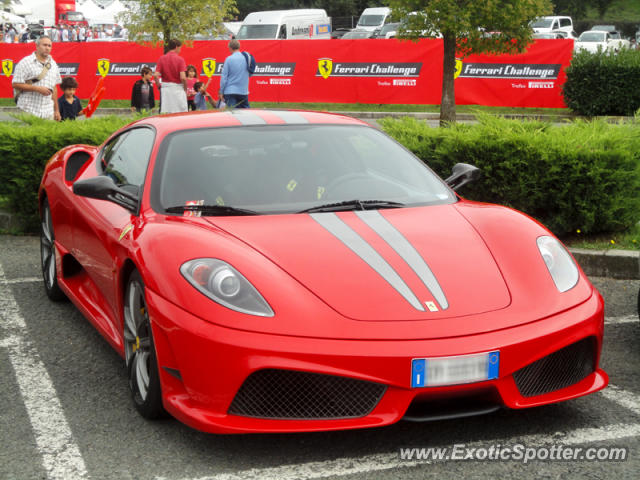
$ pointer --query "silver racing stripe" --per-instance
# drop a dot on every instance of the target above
(289, 117)
(344, 233)
(247, 117)
(407, 252)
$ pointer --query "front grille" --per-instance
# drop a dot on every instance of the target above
(289, 394)
(558, 370)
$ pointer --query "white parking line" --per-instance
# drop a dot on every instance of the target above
(620, 320)
(389, 461)
(6, 281)
(61, 456)
(622, 397)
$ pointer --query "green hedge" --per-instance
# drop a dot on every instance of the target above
(603, 83)
(26, 148)
(583, 175)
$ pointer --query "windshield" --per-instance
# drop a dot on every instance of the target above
(290, 168)
(542, 23)
(257, 31)
(592, 37)
(370, 20)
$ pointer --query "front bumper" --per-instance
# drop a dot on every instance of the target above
(203, 366)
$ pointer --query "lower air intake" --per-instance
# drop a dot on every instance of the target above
(558, 370)
(289, 394)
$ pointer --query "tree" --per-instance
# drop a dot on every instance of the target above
(602, 6)
(155, 20)
(576, 9)
(466, 27)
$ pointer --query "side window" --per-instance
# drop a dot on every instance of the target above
(125, 159)
(282, 34)
(565, 22)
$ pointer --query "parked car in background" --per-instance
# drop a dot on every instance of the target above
(390, 30)
(619, 42)
(373, 18)
(357, 34)
(594, 40)
(552, 23)
(309, 23)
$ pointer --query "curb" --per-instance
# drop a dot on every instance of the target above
(619, 264)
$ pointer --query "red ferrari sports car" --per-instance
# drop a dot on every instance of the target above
(279, 271)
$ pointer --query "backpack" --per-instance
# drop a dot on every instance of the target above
(251, 62)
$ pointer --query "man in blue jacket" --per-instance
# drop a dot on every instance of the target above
(234, 82)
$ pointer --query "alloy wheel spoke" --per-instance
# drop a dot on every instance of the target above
(142, 374)
(51, 269)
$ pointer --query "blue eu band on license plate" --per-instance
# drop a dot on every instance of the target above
(438, 371)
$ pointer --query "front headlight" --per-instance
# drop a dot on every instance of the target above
(560, 264)
(225, 285)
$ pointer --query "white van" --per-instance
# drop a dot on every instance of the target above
(373, 18)
(553, 24)
(307, 23)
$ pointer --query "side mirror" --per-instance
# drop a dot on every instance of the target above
(104, 188)
(461, 174)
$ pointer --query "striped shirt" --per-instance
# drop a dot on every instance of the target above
(33, 102)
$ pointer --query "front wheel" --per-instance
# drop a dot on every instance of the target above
(48, 255)
(140, 353)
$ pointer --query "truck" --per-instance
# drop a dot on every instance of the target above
(305, 23)
(553, 24)
(374, 18)
(56, 13)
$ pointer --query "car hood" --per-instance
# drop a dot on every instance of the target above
(394, 264)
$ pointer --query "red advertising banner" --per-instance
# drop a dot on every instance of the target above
(328, 71)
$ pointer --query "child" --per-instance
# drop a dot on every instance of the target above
(68, 104)
(142, 97)
(192, 78)
(203, 96)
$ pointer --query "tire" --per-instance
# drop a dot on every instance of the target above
(140, 353)
(48, 255)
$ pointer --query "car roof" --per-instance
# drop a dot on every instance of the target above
(243, 117)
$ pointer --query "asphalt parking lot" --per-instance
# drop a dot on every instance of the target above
(66, 411)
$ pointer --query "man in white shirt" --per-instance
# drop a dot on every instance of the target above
(35, 78)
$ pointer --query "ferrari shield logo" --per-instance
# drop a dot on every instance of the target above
(209, 66)
(325, 66)
(458, 69)
(103, 66)
(7, 67)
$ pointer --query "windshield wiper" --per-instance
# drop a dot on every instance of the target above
(353, 205)
(211, 210)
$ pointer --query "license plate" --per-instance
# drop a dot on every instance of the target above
(434, 372)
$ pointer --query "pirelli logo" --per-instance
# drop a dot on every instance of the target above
(541, 85)
(405, 82)
(367, 253)
(280, 81)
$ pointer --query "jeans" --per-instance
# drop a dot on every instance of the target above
(236, 101)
